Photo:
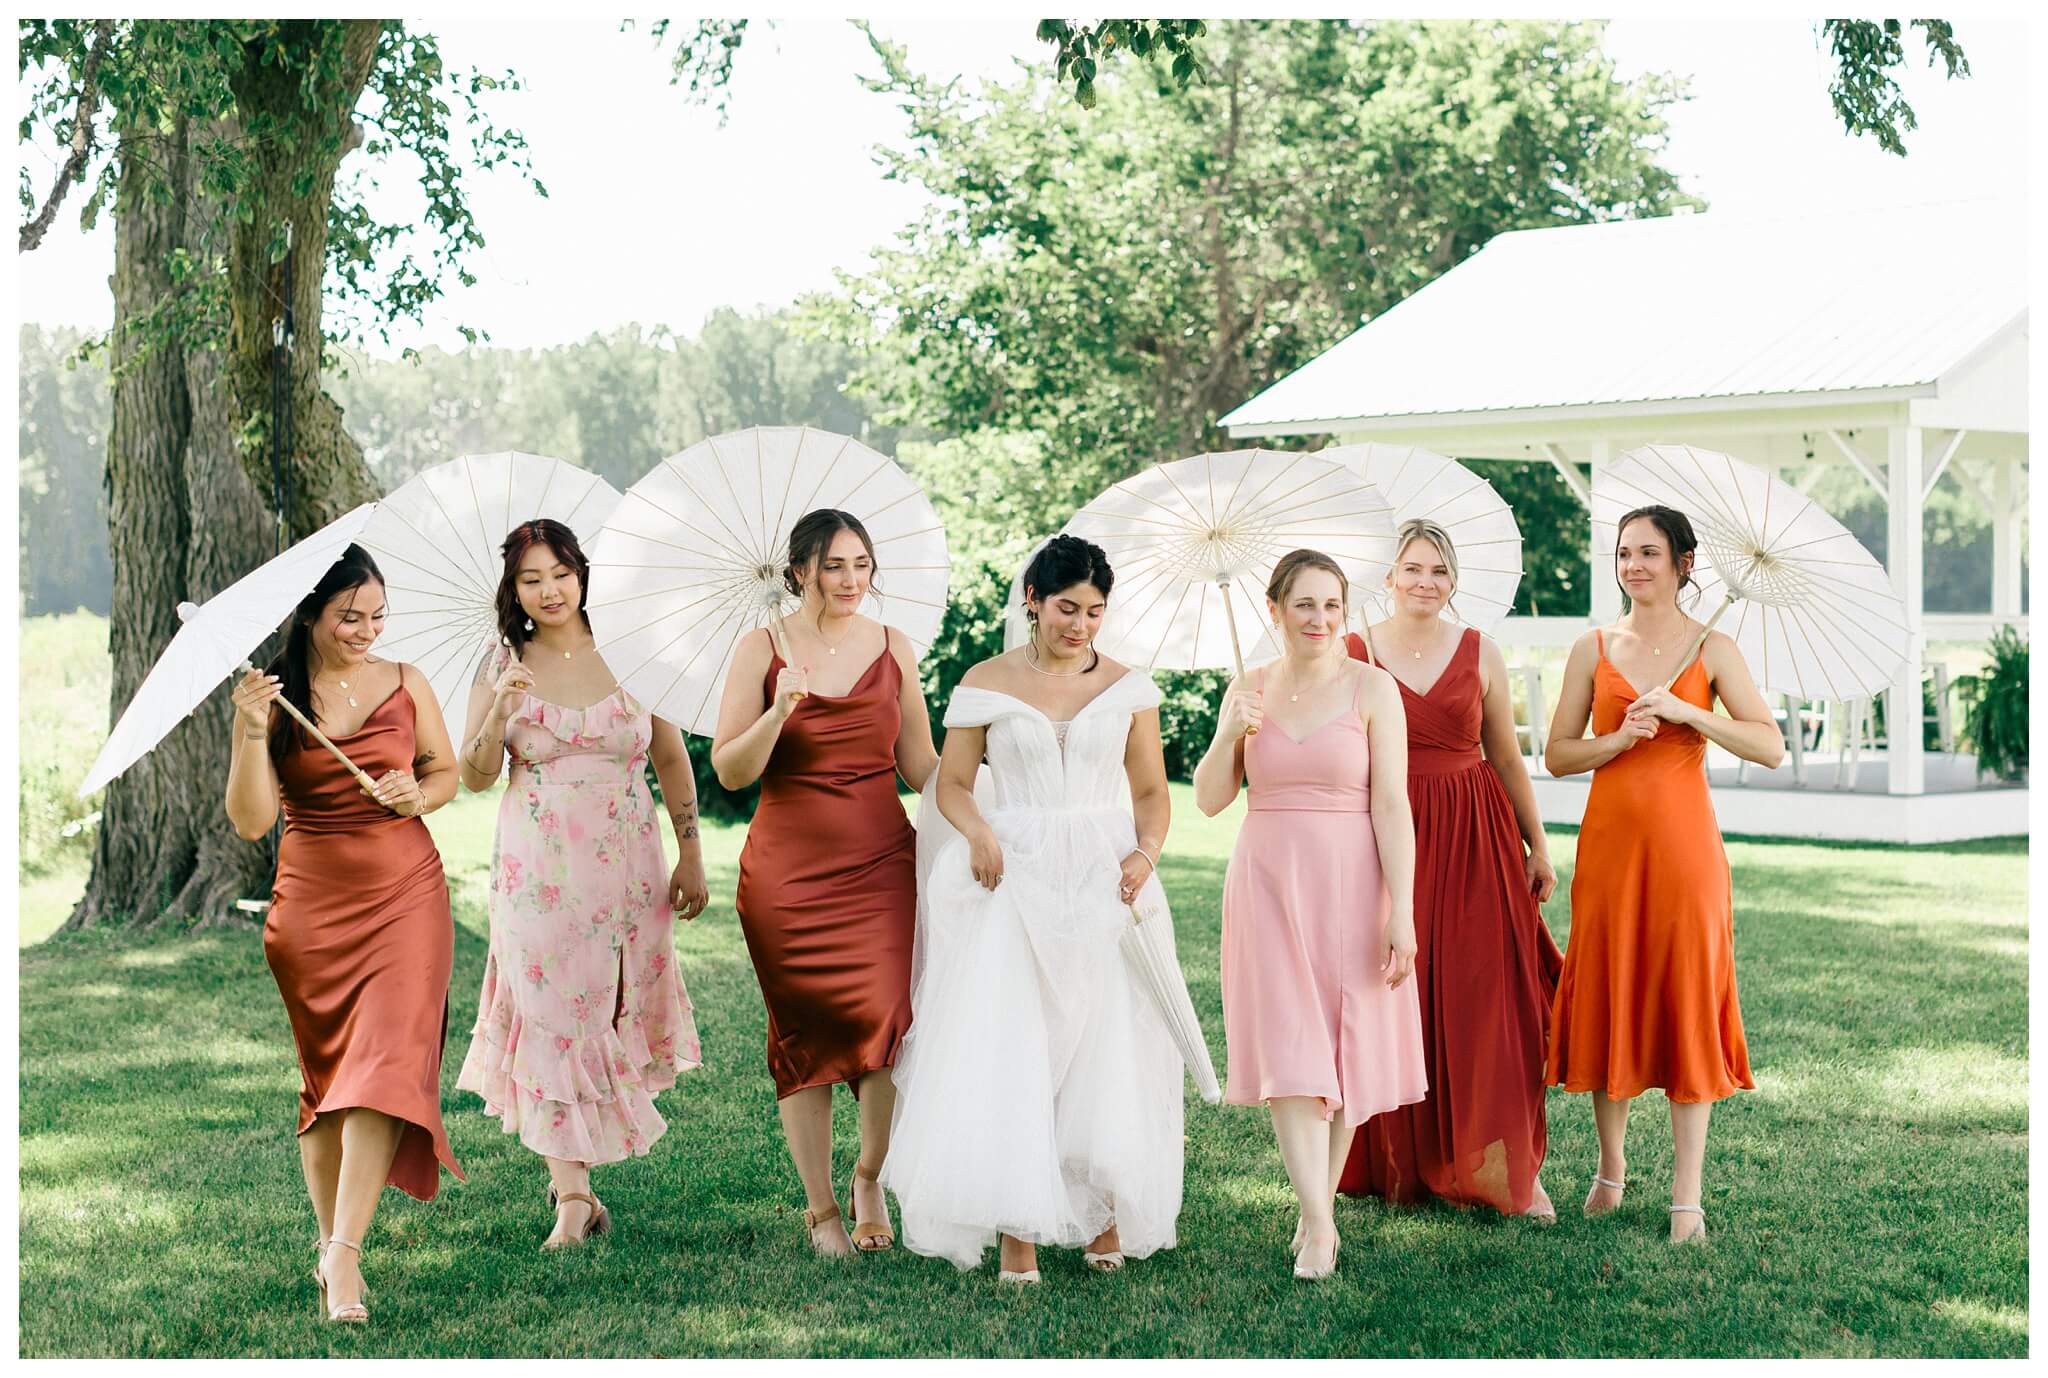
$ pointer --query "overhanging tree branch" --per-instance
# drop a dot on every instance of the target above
(81, 135)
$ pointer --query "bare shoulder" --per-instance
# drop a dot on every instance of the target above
(996, 672)
(755, 650)
(1376, 684)
(900, 644)
(1111, 669)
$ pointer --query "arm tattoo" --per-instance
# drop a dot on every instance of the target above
(425, 758)
(684, 816)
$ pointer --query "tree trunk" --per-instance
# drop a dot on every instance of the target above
(188, 491)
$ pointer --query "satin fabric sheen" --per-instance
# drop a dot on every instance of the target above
(828, 886)
(361, 942)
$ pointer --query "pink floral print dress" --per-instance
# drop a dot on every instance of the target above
(583, 1019)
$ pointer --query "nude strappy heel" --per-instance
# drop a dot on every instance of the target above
(1698, 1236)
(813, 1219)
(355, 1312)
(869, 1230)
(600, 1221)
(1598, 1181)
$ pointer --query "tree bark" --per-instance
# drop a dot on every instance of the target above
(188, 492)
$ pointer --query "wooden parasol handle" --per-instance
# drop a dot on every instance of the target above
(1236, 650)
(780, 637)
(321, 737)
(1700, 640)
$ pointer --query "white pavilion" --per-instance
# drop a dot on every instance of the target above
(1891, 341)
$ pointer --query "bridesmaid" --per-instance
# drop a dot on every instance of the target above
(359, 935)
(1647, 997)
(1319, 1018)
(1485, 965)
(828, 891)
(582, 1019)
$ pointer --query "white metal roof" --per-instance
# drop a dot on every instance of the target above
(1676, 309)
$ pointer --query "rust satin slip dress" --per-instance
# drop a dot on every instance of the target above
(828, 885)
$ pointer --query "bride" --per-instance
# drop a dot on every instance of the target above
(1038, 1094)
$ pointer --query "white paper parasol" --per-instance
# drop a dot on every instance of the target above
(437, 539)
(1818, 616)
(216, 640)
(1422, 483)
(1148, 952)
(1193, 543)
(693, 555)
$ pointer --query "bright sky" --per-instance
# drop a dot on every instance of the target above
(657, 214)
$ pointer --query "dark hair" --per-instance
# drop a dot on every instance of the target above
(1676, 529)
(525, 536)
(353, 569)
(1063, 562)
(1296, 562)
(811, 538)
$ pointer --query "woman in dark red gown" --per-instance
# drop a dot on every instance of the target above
(1486, 964)
(828, 883)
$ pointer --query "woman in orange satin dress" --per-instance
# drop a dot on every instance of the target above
(359, 935)
(1648, 996)
(1485, 964)
(828, 883)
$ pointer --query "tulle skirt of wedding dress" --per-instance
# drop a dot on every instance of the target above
(1038, 1094)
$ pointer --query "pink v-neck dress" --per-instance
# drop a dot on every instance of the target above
(1306, 1009)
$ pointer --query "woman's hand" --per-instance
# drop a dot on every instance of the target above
(1541, 876)
(399, 792)
(506, 693)
(1242, 712)
(688, 894)
(1631, 731)
(985, 859)
(1137, 868)
(1397, 948)
(791, 684)
(252, 696)
(1662, 703)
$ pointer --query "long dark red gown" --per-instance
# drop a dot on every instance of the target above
(361, 943)
(1486, 967)
(828, 886)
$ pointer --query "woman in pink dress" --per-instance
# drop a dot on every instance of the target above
(582, 1020)
(1319, 1018)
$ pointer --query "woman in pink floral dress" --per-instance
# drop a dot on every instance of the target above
(582, 1020)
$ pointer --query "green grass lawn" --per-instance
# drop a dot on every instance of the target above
(1869, 1198)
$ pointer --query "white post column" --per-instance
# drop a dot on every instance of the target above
(1904, 549)
(1606, 594)
(2005, 541)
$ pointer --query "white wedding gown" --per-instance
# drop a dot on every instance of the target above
(1037, 1092)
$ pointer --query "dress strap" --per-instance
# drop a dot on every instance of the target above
(1600, 640)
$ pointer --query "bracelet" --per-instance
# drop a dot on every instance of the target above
(1150, 860)
(247, 735)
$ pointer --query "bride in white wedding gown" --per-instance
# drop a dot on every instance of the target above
(1038, 1093)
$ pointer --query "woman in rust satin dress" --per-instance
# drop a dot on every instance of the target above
(828, 888)
(1648, 997)
(359, 935)
(1486, 965)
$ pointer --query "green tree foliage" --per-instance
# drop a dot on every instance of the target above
(1865, 94)
(1092, 290)
(1078, 48)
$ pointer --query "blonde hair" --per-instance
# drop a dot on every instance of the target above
(1423, 529)
(1296, 562)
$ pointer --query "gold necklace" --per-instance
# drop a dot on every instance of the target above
(1656, 650)
(1295, 697)
(1031, 659)
(1417, 654)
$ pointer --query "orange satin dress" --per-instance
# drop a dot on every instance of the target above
(362, 944)
(1647, 996)
(828, 886)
